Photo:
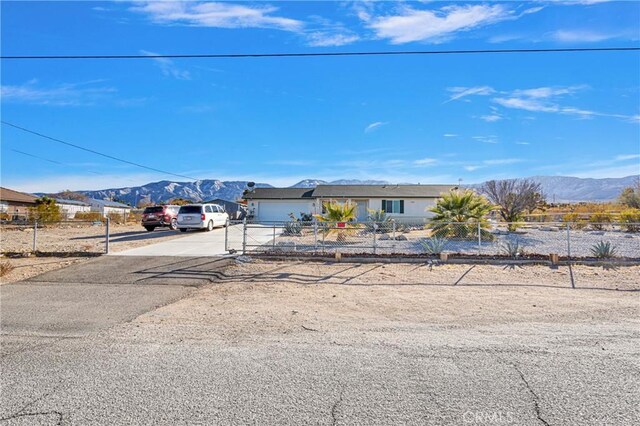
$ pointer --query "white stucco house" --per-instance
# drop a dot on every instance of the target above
(402, 202)
(69, 208)
(105, 207)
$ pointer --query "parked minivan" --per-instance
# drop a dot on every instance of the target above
(160, 216)
(201, 216)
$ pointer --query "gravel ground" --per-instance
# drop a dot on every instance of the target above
(330, 344)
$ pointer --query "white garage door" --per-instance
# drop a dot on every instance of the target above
(279, 211)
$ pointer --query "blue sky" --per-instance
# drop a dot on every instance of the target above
(427, 119)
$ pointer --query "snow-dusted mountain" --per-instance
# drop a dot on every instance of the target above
(556, 188)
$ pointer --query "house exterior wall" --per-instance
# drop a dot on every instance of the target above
(104, 210)
(70, 210)
(413, 207)
(16, 210)
(279, 209)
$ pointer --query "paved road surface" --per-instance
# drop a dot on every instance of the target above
(198, 243)
(72, 353)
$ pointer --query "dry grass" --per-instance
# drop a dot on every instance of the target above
(5, 268)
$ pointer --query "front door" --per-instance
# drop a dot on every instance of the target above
(362, 213)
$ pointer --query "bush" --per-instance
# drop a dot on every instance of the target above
(45, 211)
(115, 217)
(434, 245)
(380, 218)
(630, 220)
(574, 220)
(92, 216)
(598, 220)
(603, 250)
(512, 248)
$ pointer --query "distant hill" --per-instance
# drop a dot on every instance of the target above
(558, 188)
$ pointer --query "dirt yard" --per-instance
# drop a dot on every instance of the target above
(73, 241)
(278, 297)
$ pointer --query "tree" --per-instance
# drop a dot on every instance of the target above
(46, 210)
(457, 214)
(338, 213)
(630, 196)
(514, 197)
(179, 201)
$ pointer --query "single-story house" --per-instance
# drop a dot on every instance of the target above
(402, 202)
(69, 208)
(105, 207)
(236, 211)
(15, 205)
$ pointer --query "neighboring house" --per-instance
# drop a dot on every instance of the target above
(104, 207)
(406, 202)
(69, 208)
(15, 204)
(236, 211)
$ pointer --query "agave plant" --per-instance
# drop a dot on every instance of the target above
(380, 218)
(434, 245)
(604, 250)
(512, 248)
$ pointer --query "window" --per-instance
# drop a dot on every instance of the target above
(208, 209)
(393, 206)
(190, 209)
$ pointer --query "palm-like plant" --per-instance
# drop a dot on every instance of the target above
(458, 213)
(339, 213)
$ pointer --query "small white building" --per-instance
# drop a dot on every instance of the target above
(106, 207)
(402, 202)
(69, 208)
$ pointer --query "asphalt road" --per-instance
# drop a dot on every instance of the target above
(72, 353)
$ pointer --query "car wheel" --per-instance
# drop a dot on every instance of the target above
(173, 225)
(210, 226)
(183, 229)
(149, 228)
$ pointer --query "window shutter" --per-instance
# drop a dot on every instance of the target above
(384, 205)
(402, 206)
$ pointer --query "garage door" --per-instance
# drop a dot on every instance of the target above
(279, 211)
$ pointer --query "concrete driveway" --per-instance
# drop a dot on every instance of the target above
(200, 244)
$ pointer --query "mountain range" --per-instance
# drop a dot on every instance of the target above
(556, 188)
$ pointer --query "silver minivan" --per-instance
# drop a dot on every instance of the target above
(201, 216)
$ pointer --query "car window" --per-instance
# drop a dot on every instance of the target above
(190, 209)
(155, 209)
(208, 209)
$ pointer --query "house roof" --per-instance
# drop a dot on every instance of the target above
(381, 191)
(350, 191)
(71, 202)
(7, 194)
(107, 203)
(279, 194)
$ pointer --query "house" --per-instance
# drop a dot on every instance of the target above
(402, 202)
(69, 208)
(15, 205)
(105, 207)
(236, 211)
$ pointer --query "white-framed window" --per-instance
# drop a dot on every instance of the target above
(393, 206)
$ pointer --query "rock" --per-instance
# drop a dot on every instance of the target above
(401, 238)
(384, 237)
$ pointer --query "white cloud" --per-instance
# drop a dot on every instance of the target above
(523, 143)
(627, 157)
(450, 135)
(63, 94)
(216, 14)
(492, 139)
(373, 126)
(461, 92)
(168, 67)
(581, 36)
(502, 161)
(327, 38)
(526, 104)
(425, 162)
(491, 118)
(412, 25)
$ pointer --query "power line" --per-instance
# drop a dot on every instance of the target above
(321, 54)
(96, 152)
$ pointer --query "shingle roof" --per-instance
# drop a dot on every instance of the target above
(380, 191)
(107, 203)
(71, 202)
(7, 194)
(279, 194)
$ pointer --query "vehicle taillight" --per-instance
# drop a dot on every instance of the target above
(202, 217)
(167, 217)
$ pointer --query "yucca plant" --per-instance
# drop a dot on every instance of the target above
(434, 245)
(380, 218)
(512, 248)
(457, 214)
(604, 250)
(335, 212)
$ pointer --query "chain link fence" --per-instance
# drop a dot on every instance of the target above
(74, 237)
(610, 241)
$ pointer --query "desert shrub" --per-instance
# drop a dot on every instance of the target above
(380, 218)
(434, 245)
(574, 220)
(512, 248)
(5, 268)
(458, 213)
(293, 227)
(115, 217)
(598, 220)
(45, 211)
(603, 250)
(94, 216)
(630, 220)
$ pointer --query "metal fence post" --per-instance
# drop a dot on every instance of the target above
(568, 240)
(323, 233)
(274, 237)
(106, 242)
(226, 235)
(315, 237)
(375, 231)
(393, 228)
(244, 236)
(35, 235)
(479, 239)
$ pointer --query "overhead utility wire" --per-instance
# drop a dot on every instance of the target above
(96, 152)
(313, 54)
